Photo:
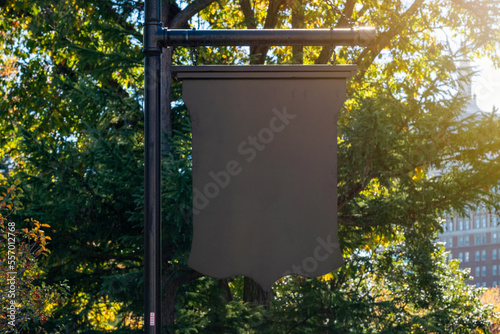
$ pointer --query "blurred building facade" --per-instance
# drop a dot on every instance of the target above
(474, 239)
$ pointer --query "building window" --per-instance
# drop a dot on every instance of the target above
(476, 240)
(477, 255)
(450, 242)
(483, 271)
(494, 284)
(483, 239)
(478, 271)
(466, 256)
(450, 257)
(450, 227)
(494, 220)
(467, 240)
(484, 222)
(494, 238)
(494, 270)
(444, 227)
(460, 225)
(460, 241)
(477, 222)
(484, 284)
(494, 254)
(483, 255)
(461, 256)
(467, 225)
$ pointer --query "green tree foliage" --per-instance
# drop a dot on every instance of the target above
(407, 287)
(27, 302)
(71, 127)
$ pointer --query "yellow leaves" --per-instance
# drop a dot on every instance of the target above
(102, 312)
(415, 326)
(375, 240)
(417, 174)
(382, 240)
(327, 277)
(9, 66)
(38, 236)
(492, 297)
(9, 198)
(41, 250)
(375, 189)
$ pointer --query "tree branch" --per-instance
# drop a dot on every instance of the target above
(357, 187)
(272, 13)
(271, 20)
(347, 222)
(348, 10)
(249, 14)
(298, 23)
(192, 9)
(355, 190)
(341, 23)
(115, 257)
(383, 40)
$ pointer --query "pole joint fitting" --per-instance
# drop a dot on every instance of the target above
(153, 35)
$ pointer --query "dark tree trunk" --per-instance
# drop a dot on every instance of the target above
(258, 53)
(226, 292)
(168, 302)
(298, 23)
(253, 293)
(166, 112)
(170, 283)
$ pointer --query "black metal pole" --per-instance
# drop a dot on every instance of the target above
(152, 171)
(269, 37)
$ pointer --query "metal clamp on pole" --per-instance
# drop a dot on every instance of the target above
(269, 37)
(153, 34)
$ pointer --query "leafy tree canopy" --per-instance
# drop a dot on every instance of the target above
(71, 127)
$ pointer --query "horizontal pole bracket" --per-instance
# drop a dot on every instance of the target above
(268, 37)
